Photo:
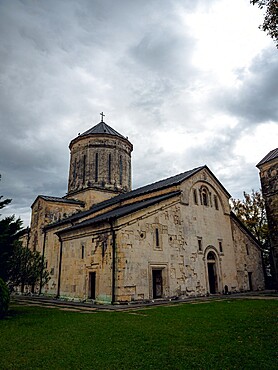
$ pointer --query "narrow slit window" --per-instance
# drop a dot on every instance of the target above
(104, 247)
(220, 246)
(200, 245)
(121, 170)
(156, 237)
(84, 169)
(195, 196)
(96, 167)
(216, 202)
(205, 198)
(74, 170)
(109, 167)
(247, 249)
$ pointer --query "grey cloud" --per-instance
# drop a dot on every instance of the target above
(255, 100)
(163, 50)
(62, 62)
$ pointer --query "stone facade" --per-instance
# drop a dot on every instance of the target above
(268, 167)
(173, 238)
(48, 210)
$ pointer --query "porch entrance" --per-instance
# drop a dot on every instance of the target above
(212, 274)
(92, 285)
(157, 283)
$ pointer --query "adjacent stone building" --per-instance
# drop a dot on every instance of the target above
(173, 238)
(268, 167)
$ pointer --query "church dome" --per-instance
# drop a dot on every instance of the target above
(100, 158)
(102, 128)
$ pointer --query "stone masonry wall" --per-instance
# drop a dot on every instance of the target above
(102, 162)
(44, 213)
(180, 257)
(87, 252)
(248, 260)
(269, 182)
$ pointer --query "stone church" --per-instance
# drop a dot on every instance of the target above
(173, 238)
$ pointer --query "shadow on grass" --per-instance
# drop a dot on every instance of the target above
(11, 314)
(14, 312)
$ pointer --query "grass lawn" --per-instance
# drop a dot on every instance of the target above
(235, 334)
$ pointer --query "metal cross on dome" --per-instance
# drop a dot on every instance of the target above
(102, 115)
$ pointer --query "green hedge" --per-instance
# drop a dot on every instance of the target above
(4, 298)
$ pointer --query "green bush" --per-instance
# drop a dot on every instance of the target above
(4, 298)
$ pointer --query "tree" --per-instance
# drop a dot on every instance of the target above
(270, 24)
(18, 265)
(252, 213)
(4, 298)
(5, 202)
(9, 233)
(26, 268)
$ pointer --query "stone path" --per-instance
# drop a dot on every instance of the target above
(85, 307)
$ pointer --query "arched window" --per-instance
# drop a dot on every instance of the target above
(204, 196)
(195, 196)
(211, 256)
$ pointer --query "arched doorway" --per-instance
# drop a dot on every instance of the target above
(212, 273)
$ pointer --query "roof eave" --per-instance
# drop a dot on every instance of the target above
(218, 182)
(87, 223)
(68, 201)
(270, 157)
(80, 137)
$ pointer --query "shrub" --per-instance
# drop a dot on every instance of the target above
(4, 298)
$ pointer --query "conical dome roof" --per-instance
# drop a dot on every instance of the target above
(102, 128)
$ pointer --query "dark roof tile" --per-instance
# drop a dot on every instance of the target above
(159, 185)
(102, 128)
(271, 155)
(162, 184)
(120, 212)
(60, 200)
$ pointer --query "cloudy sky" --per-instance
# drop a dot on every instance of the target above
(189, 83)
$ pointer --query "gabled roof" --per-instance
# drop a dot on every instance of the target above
(102, 128)
(117, 200)
(271, 155)
(120, 212)
(159, 185)
(58, 200)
